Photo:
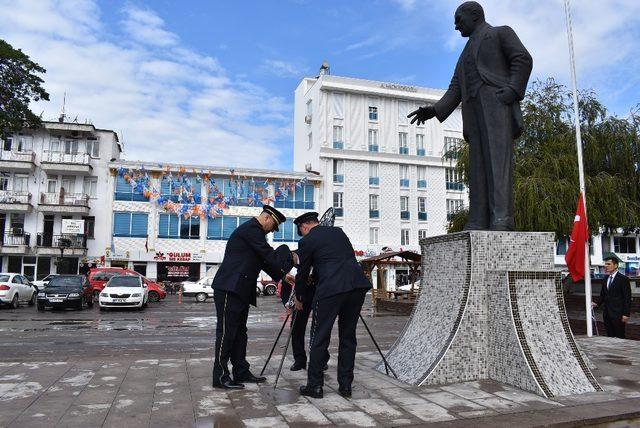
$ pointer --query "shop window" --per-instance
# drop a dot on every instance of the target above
(624, 244)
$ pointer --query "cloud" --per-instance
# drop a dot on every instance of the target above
(406, 4)
(168, 103)
(282, 68)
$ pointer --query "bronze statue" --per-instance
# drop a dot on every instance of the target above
(490, 80)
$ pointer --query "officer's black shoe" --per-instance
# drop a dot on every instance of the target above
(345, 392)
(311, 391)
(251, 378)
(298, 365)
(228, 384)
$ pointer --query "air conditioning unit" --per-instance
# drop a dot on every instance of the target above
(18, 231)
(307, 119)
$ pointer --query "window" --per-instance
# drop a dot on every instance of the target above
(402, 143)
(310, 140)
(287, 232)
(52, 184)
(4, 181)
(68, 183)
(91, 186)
(373, 235)
(422, 177)
(126, 192)
(89, 227)
(453, 180)
(223, 227)
(294, 197)
(338, 105)
(7, 143)
(404, 208)
(25, 143)
(404, 175)
(420, 145)
(422, 233)
(309, 108)
(70, 147)
(133, 225)
(175, 226)
(624, 244)
(373, 207)
(54, 145)
(374, 178)
(338, 171)
(20, 183)
(337, 203)
(562, 246)
(373, 113)
(338, 142)
(404, 237)
(373, 140)
(451, 145)
(403, 111)
(422, 209)
(453, 206)
(93, 148)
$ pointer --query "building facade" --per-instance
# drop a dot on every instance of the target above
(53, 183)
(164, 229)
(386, 178)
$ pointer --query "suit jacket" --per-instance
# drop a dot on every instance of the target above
(617, 299)
(329, 252)
(501, 60)
(247, 253)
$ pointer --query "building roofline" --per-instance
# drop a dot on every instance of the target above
(215, 170)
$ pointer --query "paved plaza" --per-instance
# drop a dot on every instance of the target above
(153, 368)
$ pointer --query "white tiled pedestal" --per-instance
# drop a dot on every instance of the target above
(491, 307)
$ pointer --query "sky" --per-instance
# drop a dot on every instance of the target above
(212, 82)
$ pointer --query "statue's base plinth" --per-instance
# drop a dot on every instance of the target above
(491, 307)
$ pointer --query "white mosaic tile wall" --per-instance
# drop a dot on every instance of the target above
(490, 308)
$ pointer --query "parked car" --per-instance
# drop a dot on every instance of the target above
(44, 281)
(200, 289)
(98, 277)
(407, 287)
(124, 291)
(266, 287)
(66, 291)
(16, 289)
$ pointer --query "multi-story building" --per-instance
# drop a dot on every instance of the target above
(386, 178)
(163, 229)
(48, 176)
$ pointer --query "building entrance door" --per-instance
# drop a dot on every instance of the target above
(47, 232)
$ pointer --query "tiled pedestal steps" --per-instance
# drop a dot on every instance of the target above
(490, 307)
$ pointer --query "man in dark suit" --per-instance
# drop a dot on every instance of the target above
(234, 289)
(490, 79)
(299, 323)
(340, 291)
(615, 295)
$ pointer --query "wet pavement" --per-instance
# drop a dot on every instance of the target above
(153, 368)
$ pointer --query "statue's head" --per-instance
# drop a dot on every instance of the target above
(468, 16)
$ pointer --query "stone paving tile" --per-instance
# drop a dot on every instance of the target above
(130, 411)
(501, 405)
(429, 412)
(85, 415)
(402, 396)
(172, 415)
(452, 402)
(268, 422)
(302, 413)
(467, 390)
(352, 418)
(331, 402)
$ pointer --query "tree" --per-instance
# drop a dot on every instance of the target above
(546, 166)
(19, 85)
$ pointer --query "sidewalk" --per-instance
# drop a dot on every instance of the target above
(177, 392)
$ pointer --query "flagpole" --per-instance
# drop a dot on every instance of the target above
(576, 113)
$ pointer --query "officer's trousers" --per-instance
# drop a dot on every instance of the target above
(231, 337)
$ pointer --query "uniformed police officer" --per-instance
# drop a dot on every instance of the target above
(299, 322)
(234, 289)
(340, 291)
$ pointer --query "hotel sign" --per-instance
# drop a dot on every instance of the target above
(397, 87)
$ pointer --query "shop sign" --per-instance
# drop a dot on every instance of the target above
(630, 258)
(178, 271)
(196, 257)
(178, 257)
(72, 227)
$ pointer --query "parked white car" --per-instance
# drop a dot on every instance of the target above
(200, 289)
(16, 289)
(124, 291)
(44, 281)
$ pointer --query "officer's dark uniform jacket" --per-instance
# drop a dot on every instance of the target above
(247, 253)
(335, 270)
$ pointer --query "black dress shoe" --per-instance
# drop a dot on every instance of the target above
(251, 378)
(345, 392)
(311, 391)
(298, 365)
(228, 384)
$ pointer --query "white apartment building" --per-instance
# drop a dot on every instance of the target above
(386, 178)
(164, 245)
(55, 173)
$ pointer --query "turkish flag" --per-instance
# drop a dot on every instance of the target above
(579, 236)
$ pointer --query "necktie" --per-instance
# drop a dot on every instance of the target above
(609, 282)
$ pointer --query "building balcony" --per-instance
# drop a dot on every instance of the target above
(404, 150)
(17, 161)
(16, 242)
(422, 184)
(374, 181)
(422, 216)
(66, 163)
(338, 145)
(405, 215)
(64, 203)
(420, 152)
(455, 186)
(338, 178)
(49, 244)
(15, 202)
